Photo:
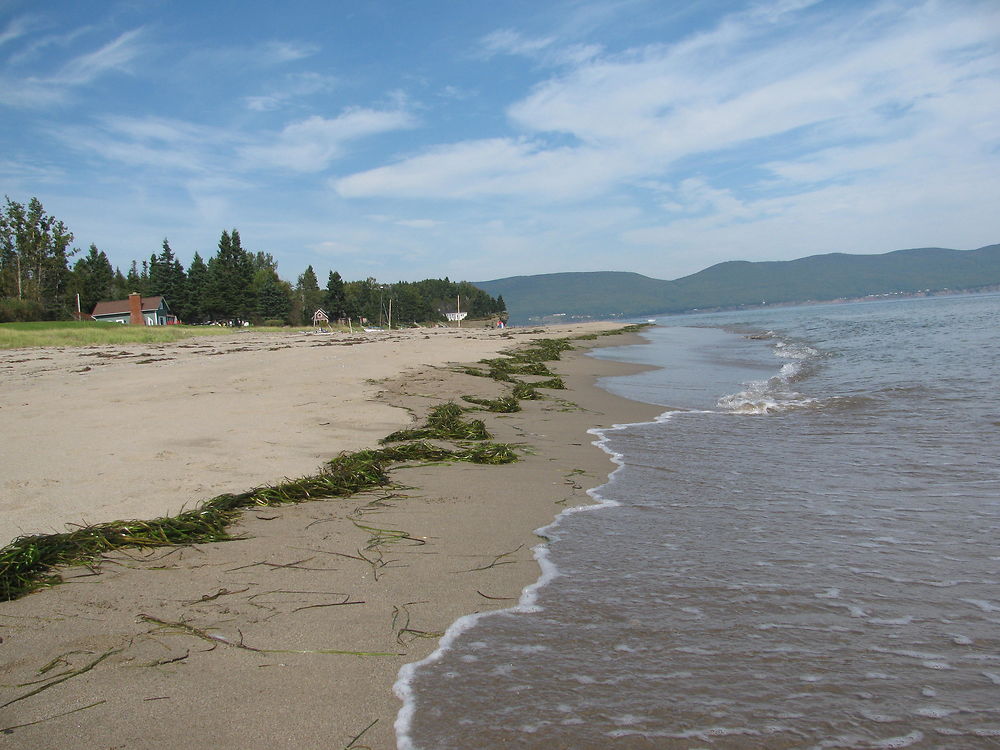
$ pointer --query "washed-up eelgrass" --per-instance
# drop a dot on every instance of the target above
(26, 564)
(631, 328)
(500, 405)
(527, 361)
(444, 423)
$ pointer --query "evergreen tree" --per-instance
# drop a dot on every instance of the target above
(119, 286)
(362, 299)
(196, 278)
(308, 297)
(408, 304)
(272, 295)
(264, 260)
(93, 279)
(228, 295)
(137, 280)
(335, 299)
(167, 278)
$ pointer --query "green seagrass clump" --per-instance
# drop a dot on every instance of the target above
(26, 564)
(484, 453)
(527, 361)
(525, 392)
(445, 422)
(500, 405)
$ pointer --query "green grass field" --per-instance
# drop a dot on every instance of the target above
(92, 333)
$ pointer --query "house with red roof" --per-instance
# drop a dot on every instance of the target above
(136, 310)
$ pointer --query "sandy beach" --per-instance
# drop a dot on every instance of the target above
(293, 635)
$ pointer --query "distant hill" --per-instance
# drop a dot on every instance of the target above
(833, 276)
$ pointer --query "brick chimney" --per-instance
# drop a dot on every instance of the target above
(135, 310)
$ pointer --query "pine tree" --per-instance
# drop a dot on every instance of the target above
(196, 277)
(308, 297)
(119, 286)
(228, 293)
(93, 279)
(167, 278)
(335, 299)
(137, 280)
(272, 295)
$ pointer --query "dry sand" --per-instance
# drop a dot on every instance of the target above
(221, 645)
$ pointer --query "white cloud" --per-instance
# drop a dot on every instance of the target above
(408, 223)
(901, 208)
(696, 196)
(276, 52)
(784, 128)
(16, 28)
(455, 93)
(41, 91)
(170, 146)
(419, 223)
(544, 50)
(115, 55)
(833, 88)
(175, 146)
(310, 145)
(294, 86)
(520, 168)
(774, 10)
(511, 42)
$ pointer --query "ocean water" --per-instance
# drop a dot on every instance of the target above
(803, 551)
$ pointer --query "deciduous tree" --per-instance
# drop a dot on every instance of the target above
(34, 253)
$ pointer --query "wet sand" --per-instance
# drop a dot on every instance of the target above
(241, 644)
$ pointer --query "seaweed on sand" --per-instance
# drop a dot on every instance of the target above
(27, 563)
(500, 405)
(444, 423)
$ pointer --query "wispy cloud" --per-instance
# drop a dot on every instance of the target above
(256, 55)
(512, 42)
(483, 168)
(637, 113)
(310, 145)
(676, 136)
(276, 52)
(546, 50)
(80, 71)
(408, 223)
(169, 146)
(15, 28)
(115, 55)
(179, 147)
(294, 86)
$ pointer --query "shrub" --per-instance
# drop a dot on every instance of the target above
(20, 310)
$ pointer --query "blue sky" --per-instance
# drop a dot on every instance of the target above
(479, 139)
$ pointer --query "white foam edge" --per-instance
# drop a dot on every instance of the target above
(527, 602)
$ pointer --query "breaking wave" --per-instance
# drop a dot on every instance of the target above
(776, 394)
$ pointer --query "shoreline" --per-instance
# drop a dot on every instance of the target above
(237, 638)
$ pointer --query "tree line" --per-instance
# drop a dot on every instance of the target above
(233, 286)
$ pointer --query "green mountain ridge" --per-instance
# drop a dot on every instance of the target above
(736, 283)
